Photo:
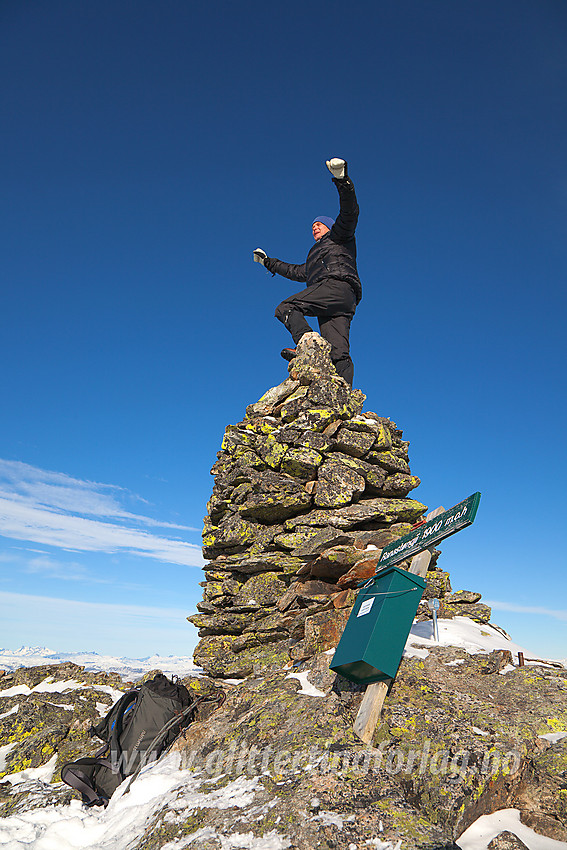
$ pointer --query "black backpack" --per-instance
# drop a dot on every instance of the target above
(138, 728)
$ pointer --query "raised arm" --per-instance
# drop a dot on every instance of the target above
(289, 270)
(345, 224)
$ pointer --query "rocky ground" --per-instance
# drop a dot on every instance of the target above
(458, 738)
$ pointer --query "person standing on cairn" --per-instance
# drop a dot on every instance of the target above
(333, 286)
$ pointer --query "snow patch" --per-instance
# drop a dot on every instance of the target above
(48, 686)
(475, 638)
(330, 819)
(553, 737)
(160, 784)
(479, 835)
(306, 686)
(42, 774)
(3, 753)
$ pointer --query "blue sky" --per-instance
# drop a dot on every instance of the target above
(147, 149)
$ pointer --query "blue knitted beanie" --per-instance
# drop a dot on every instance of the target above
(324, 219)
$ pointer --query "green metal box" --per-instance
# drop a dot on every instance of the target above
(372, 644)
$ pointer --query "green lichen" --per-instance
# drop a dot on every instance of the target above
(272, 451)
(260, 426)
(301, 463)
(158, 832)
(409, 825)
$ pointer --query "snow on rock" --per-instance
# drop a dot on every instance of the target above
(330, 818)
(7, 748)
(271, 841)
(462, 632)
(554, 737)
(479, 835)
(43, 773)
(73, 827)
(48, 686)
(306, 687)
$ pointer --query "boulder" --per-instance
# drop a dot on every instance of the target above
(388, 461)
(265, 588)
(460, 596)
(507, 841)
(355, 443)
(479, 612)
(438, 585)
(301, 463)
(322, 632)
(271, 398)
(362, 570)
(337, 485)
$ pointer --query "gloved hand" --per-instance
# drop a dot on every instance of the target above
(337, 167)
(259, 255)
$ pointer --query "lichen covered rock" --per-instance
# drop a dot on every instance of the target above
(300, 484)
(308, 489)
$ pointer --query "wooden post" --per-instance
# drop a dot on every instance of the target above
(375, 694)
(370, 710)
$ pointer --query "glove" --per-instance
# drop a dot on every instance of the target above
(259, 256)
(337, 167)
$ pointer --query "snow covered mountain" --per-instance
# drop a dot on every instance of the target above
(128, 668)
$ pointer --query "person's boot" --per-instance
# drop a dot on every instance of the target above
(288, 353)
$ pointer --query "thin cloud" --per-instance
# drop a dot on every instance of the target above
(53, 509)
(55, 606)
(44, 565)
(57, 491)
(527, 609)
(47, 567)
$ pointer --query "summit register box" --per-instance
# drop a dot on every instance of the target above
(372, 644)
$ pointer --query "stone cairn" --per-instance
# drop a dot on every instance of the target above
(308, 490)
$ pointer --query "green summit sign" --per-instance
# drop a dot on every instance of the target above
(430, 532)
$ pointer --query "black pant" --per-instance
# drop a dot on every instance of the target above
(333, 302)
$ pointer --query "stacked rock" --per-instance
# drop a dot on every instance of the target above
(308, 490)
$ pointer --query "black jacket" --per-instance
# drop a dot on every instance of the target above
(334, 255)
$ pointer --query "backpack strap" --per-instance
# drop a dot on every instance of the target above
(75, 774)
(128, 701)
(175, 721)
(107, 725)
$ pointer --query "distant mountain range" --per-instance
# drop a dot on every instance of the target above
(128, 668)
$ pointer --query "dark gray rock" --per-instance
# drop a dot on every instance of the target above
(355, 443)
(459, 596)
(337, 485)
(507, 841)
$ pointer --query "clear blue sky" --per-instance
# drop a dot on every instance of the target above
(147, 149)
